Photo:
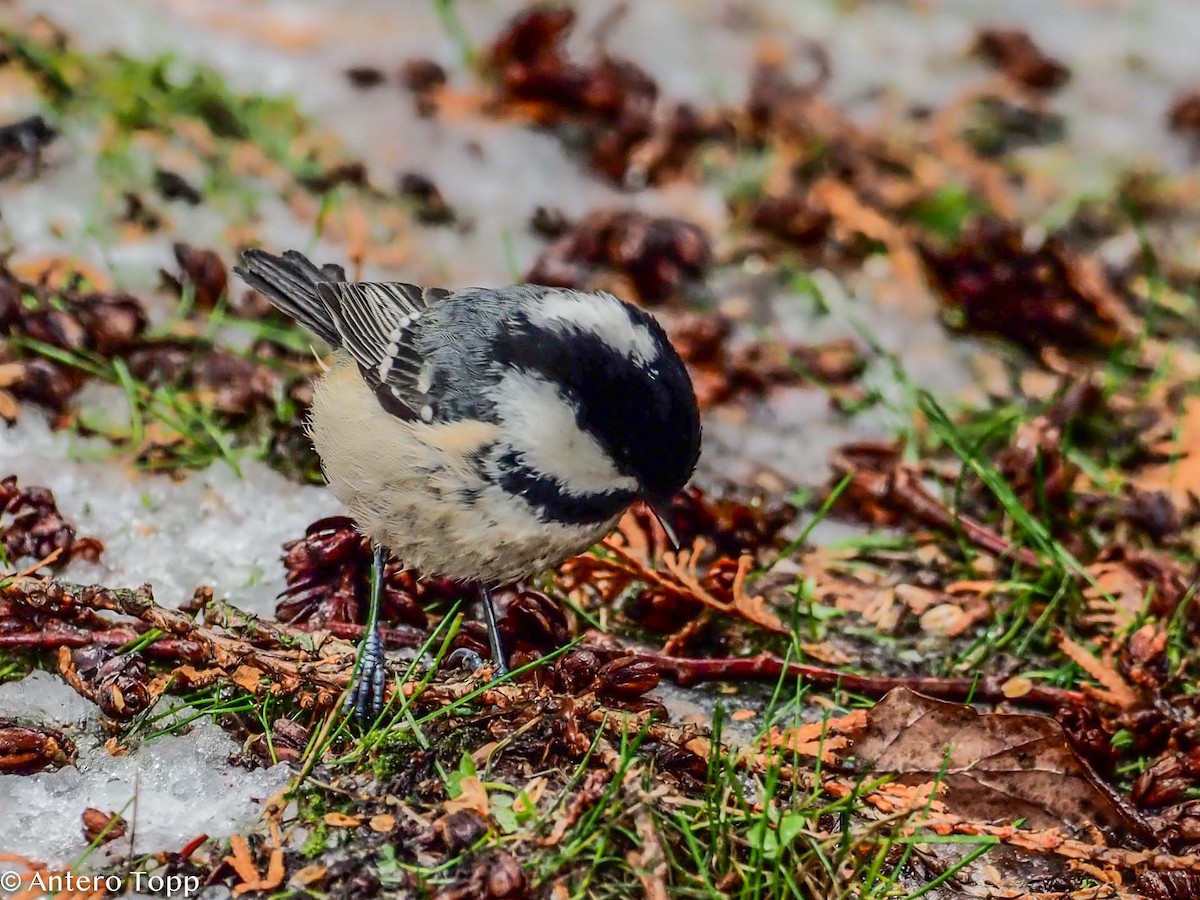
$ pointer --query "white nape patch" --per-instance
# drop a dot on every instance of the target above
(600, 314)
(539, 424)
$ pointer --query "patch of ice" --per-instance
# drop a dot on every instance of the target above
(211, 528)
(794, 431)
(169, 790)
(45, 699)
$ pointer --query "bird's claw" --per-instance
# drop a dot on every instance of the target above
(366, 695)
(464, 658)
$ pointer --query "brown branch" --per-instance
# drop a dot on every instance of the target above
(67, 600)
(58, 634)
(233, 619)
(200, 642)
(769, 667)
(392, 636)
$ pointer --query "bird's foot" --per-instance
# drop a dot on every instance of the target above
(465, 659)
(366, 694)
(499, 657)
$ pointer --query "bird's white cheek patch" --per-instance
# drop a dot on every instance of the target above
(539, 424)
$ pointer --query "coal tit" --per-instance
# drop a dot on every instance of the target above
(484, 434)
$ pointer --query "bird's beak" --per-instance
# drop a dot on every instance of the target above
(662, 512)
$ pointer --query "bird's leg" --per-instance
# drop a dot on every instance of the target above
(489, 610)
(370, 674)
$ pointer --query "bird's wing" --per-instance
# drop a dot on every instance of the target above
(378, 323)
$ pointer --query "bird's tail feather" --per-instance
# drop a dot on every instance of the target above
(290, 283)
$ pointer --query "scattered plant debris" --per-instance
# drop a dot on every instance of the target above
(1019, 59)
(101, 827)
(201, 272)
(25, 750)
(32, 528)
(173, 186)
(364, 77)
(21, 146)
(430, 206)
(720, 373)
(984, 762)
(1044, 296)
(73, 317)
(1033, 551)
(656, 258)
(423, 78)
(538, 81)
(1184, 115)
(328, 577)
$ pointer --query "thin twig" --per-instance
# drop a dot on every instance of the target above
(769, 667)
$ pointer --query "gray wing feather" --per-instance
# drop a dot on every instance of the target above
(290, 283)
(378, 323)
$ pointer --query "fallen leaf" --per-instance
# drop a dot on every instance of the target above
(527, 800)
(917, 598)
(993, 766)
(101, 827)
(243, 863)
(241, 860)
(892, 797)
(817, 739)
(941, 619)
(982, 587)
(826, 653)
(249, 678)
(700, 746)
(275, 873)
(342, 820)
(1169, 885)
(1117, 690)
(309, 875)
(11, 373)
(1115, 593)
(753, 607)
(1017, 686)
(1180, 478)
(474, 797)
(382, 823)
(883, 612)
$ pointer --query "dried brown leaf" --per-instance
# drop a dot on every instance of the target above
(382, 823)
(473, 797)
(994, 767)
(241, 860)
(1117, 690)
(248, 678)
(1180, 478)
(309, 875)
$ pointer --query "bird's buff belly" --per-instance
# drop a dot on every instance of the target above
(411, 488)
